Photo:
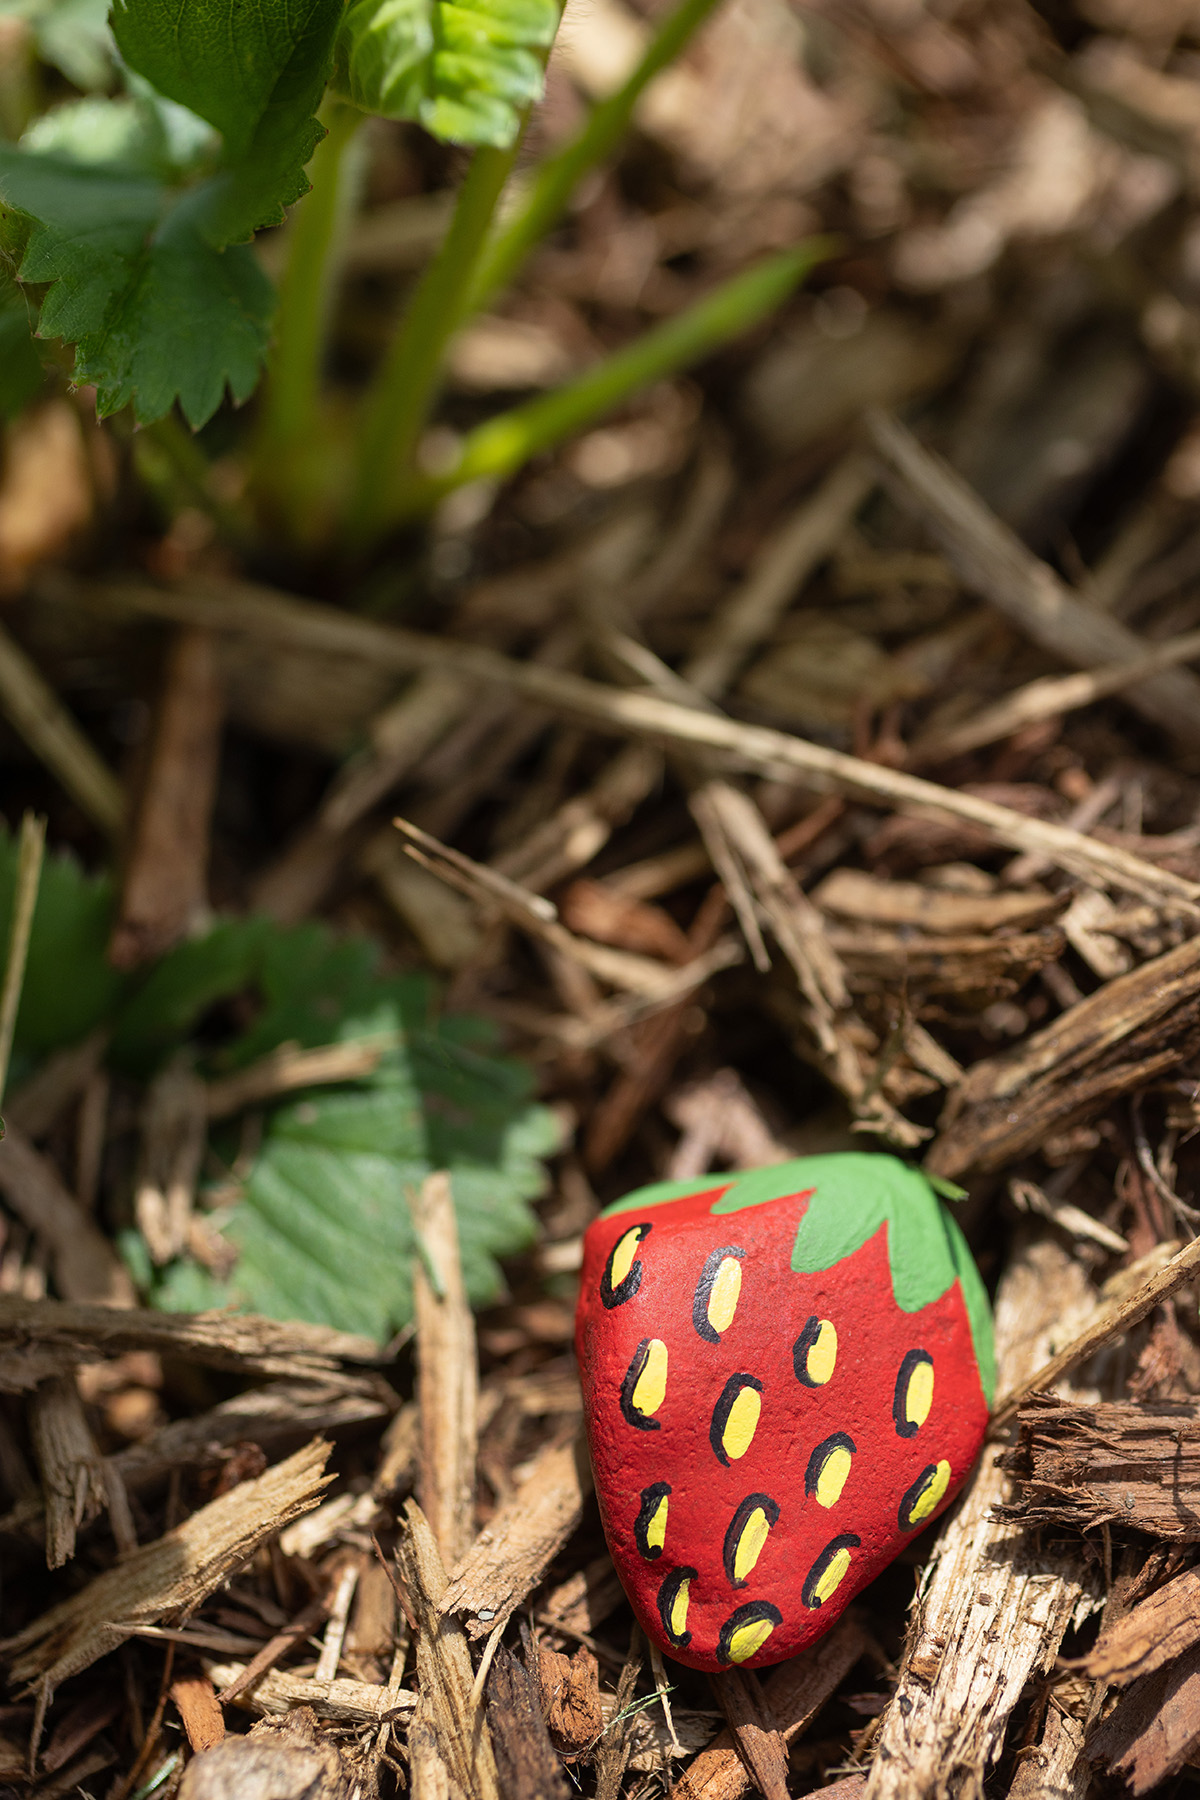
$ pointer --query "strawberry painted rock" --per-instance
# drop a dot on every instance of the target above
(786, 1374)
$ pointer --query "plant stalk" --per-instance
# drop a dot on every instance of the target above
(559, 176)
(31, 848)
(500, 447)
(289, 423)
(404, 390)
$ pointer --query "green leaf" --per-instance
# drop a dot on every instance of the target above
(70, 987)
(154, 311)
(73, 35)
(466, 73)
(257, 74)
(182, 986)
(20, 365)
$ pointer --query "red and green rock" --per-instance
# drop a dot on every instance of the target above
(786, 1374)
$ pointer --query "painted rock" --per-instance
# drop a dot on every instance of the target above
(786, 1374)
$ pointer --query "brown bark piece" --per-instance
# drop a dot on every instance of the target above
(526, 1765)
(447, 1372)
(443, 1661)
(854, 894)
(242, 1342)
(793, 1694)
(174, 1128)
(570, 1691)
(758, 1743)
(1131, 1031)
(70, 1465)
(83, 1262)
(1053, 1769)
(1154, 1727)
(196, 1701)
(1153, 1634)
(167, 1580)
(514, 1550)
(995, 1603)
(164, 886)
(285, 1760)
(1136, 1466)
(342, 1701)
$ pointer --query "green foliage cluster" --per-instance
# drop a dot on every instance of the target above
(321, 1226)
(128, 214)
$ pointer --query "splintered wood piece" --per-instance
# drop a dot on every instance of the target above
(570, 1691)
(1130, 1032)
(526, 1765)
(168, 1579)
(1154, 1727)
(512, 1553)
(994, 1604)
(202, 1719)
(793, 1695)
(1118, 1463)
(447, 1371)
(1148, 1637)
(242, 1342)
(70, 1465)
(443, 1663)
(166, 870)
(1053, 1769)
(854, 894)
(278, 1691)
(994, 966)
(759, 1744)
(83, 1262)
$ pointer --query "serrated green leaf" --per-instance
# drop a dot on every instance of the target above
(256, 73)
(154, 311)
(464, 72)
(181, 987)
(70, 987)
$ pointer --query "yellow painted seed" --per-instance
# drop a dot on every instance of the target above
(623, 1255)
(722, 1301)
(656, 1530)
(822, 1355)
(832, 1578)
(748, 1639)
(742, 1423)
(750, 1544)
(832, 1478)
(650, 1389)
(919, 1398)
(679, 1610)
(932, 1496)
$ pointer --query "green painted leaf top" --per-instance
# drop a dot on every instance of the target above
(464, 72)
(851, 1197)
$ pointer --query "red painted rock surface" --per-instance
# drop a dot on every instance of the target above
(786, 1374)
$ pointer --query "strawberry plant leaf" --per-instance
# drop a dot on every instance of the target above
(70, 987)
(464, 72)
(20, 365)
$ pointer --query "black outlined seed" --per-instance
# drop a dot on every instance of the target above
(924, 1496)
(914, 1393)
(650, 1526)
(735, 1418)
(645, 1385)
(814, 1353)
(829, 1570)
(828, 1468)
(622, 1275)
(746, 1631)
(748, 1531)
(673, 1606)
(716, 1297)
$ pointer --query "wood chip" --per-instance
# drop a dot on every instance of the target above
(277, 1760)
(196, 1702)
(444, 1671)
(70, 1465)
(853, 894)
(1119, 1464)
(526, 1764)
(168, 1579)
(1149, 1636)
(1154, 1727)
(758, 1741)
(84, 1264)
(447, 1371)
(570, 1692)
(512, 1553)
(279, 1692)
(1130, 1032)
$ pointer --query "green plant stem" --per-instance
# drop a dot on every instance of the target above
(289, 422)
(404, 390)
(557, 178)
(30, 851)
(499, 448)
